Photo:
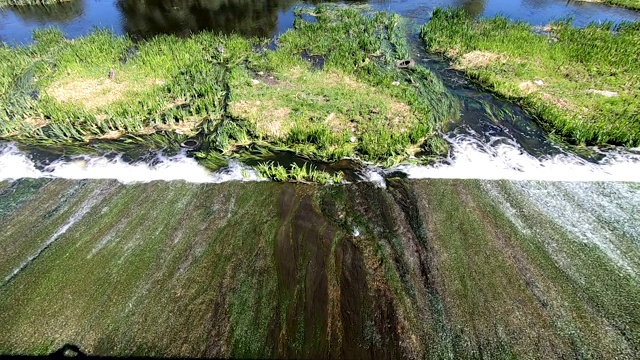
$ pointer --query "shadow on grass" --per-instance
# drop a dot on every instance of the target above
(72, 351)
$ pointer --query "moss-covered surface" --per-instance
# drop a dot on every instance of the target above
(350, 101)
(581, 83)
(421, 269)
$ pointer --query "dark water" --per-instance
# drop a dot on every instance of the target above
(145, 18)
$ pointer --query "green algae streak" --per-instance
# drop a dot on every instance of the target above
(420, 269)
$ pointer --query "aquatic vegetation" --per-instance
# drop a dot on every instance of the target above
(581, 83)
(421, 269)
(358, 103)
(233, 91)
(296, 173)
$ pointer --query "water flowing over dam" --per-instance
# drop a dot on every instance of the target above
(489, 234)
(422, 268)
(469, 159)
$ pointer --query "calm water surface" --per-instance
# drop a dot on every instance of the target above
(142, 19)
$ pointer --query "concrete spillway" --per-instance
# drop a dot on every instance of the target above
(421, 268)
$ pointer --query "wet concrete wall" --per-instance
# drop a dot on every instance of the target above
(437, 268)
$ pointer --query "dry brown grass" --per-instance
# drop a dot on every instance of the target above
(558, 102)
(478, 59)
(528, 87)
(91, 93)
(96, 93)
(36, 122)
(273, 119)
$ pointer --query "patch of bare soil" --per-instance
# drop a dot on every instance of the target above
(268, 79)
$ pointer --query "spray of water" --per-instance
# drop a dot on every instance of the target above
(471, 157)
(501, 158)
(15, 164)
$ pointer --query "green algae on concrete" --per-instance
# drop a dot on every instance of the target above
(581, 83)
(421, 269)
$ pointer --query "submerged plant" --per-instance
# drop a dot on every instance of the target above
(296, 173)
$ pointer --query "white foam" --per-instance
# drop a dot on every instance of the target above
(14, 164)
(375, 176)
(471, 159)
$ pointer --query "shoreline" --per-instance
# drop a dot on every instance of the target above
(579, 83)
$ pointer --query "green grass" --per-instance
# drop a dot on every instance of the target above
(58, 90)
(233, 91)
(575, 65)
(359, 103)
(629, 4)
(296, 173)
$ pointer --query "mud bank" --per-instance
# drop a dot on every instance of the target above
(421, 269)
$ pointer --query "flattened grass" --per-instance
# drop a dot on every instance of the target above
(582, 83)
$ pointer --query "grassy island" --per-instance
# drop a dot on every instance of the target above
(581, 83)
(329, 88)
